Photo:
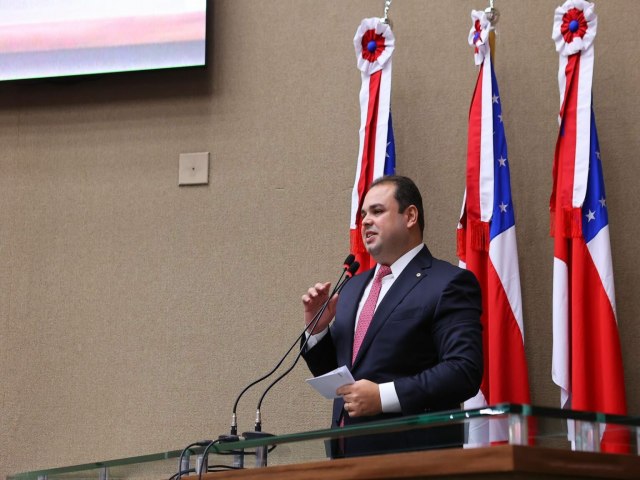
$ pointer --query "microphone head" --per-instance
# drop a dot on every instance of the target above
(349, 260)
(353, 268)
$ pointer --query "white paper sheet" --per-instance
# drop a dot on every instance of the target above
(328, 383)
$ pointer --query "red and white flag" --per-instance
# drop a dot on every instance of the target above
(487, 246)
(587, 360)
(374, 44)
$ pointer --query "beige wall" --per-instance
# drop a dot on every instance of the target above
(132, 311)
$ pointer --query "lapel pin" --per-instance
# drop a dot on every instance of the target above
(418, 274)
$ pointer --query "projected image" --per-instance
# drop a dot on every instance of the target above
(53, 38)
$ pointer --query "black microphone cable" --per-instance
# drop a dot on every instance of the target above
(353, 268)
(348, 262)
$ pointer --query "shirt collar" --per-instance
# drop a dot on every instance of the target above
(400, 264)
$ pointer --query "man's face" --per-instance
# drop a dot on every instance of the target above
(385, 231)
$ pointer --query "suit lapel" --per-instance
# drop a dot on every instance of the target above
(414, 273)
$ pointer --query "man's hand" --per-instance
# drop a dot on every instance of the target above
(361, 398)
(313, 300)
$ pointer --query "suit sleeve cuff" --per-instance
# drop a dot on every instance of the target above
(312, 340)
(389, 398)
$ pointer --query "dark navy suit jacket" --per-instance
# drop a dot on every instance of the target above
(425, 336)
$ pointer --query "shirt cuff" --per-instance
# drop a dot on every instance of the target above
(312, 340)
(389, 398)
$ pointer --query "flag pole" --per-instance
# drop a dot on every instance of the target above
(493, 15)
(385, 18)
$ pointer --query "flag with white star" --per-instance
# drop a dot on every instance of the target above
(587, 359)
(487, 246)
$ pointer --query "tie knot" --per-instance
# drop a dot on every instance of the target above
(383, 271)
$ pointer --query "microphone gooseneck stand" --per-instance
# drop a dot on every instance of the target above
(350, 266)
(261, 452)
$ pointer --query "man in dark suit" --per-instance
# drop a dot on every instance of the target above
(409, 330)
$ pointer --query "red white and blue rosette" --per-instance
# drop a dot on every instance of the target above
(374, 45)
(574, 27)
(479, 35)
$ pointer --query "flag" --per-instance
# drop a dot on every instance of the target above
(587, 360)
(487, 245)
(374, 44)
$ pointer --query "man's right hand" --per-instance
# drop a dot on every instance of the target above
(313, 300)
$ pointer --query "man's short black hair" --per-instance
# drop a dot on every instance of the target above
(406, 194)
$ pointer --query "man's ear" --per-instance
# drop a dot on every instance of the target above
(411, 214)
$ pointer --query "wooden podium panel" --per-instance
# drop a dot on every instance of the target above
(503, 462)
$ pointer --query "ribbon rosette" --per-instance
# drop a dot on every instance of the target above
(479, 35)
(574, 27)
(374, 42)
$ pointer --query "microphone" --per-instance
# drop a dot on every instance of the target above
(348, 273)
(347, 265)
(348, 261)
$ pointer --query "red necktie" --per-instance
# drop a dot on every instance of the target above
(368, 309)
(363, 325)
